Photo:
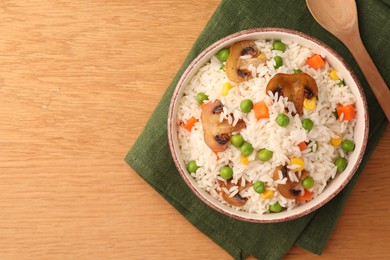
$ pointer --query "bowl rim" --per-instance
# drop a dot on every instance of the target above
(180, 85)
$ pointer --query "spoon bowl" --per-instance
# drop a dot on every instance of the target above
(340, 19)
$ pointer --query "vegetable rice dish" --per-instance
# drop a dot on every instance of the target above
(265, 125)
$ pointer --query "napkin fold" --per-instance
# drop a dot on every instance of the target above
(150, 155)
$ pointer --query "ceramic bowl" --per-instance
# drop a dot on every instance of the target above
(336, 184)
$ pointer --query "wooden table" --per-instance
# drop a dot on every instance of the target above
(78, 81)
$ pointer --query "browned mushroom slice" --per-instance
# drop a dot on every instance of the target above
(245, 64)
(296, 87)
(237, 69)
(236, 200)
(290, 190)
(217, 134)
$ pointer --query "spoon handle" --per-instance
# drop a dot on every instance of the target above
(373, 77)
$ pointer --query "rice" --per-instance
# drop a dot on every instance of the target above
(319, 155)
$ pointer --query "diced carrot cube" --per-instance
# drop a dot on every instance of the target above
(315, 61)
(261, 110)
(348, 111)
(190, 123)
(302, 146)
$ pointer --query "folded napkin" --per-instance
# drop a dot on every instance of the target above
(150, 155)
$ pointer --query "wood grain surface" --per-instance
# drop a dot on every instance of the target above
(78, 81)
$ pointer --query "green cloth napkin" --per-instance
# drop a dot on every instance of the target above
(150, 155)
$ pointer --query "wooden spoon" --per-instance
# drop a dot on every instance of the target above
(340, 18)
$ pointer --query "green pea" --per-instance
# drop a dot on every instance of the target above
(264, 155)
(297, 71)
(237, 140)
(278, 61)
(278, 45)
(200, 97)
(223, 54)
(307, 124)
(341, 164)
(348, 145)
(192, 167)
(308, 182)
(341, 83)
(246, 105)
(282, 120)
(275, 208)
(226, 172)
(259, 186)
(246, 149)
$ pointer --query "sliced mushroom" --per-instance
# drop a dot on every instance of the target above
(236, 200)
(237, 69)
(217, 134)
(291, 189)
(296, 87)
(245, 64)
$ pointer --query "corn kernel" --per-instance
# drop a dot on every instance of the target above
(225, 88)
(267, 194)
(262, 56)
(336, 141)
(298, 161)
(310, 104)
(244, 160)
(333, 75)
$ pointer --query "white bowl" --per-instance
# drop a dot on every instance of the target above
(360, 134)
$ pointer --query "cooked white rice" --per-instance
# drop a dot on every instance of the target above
(265, 133)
